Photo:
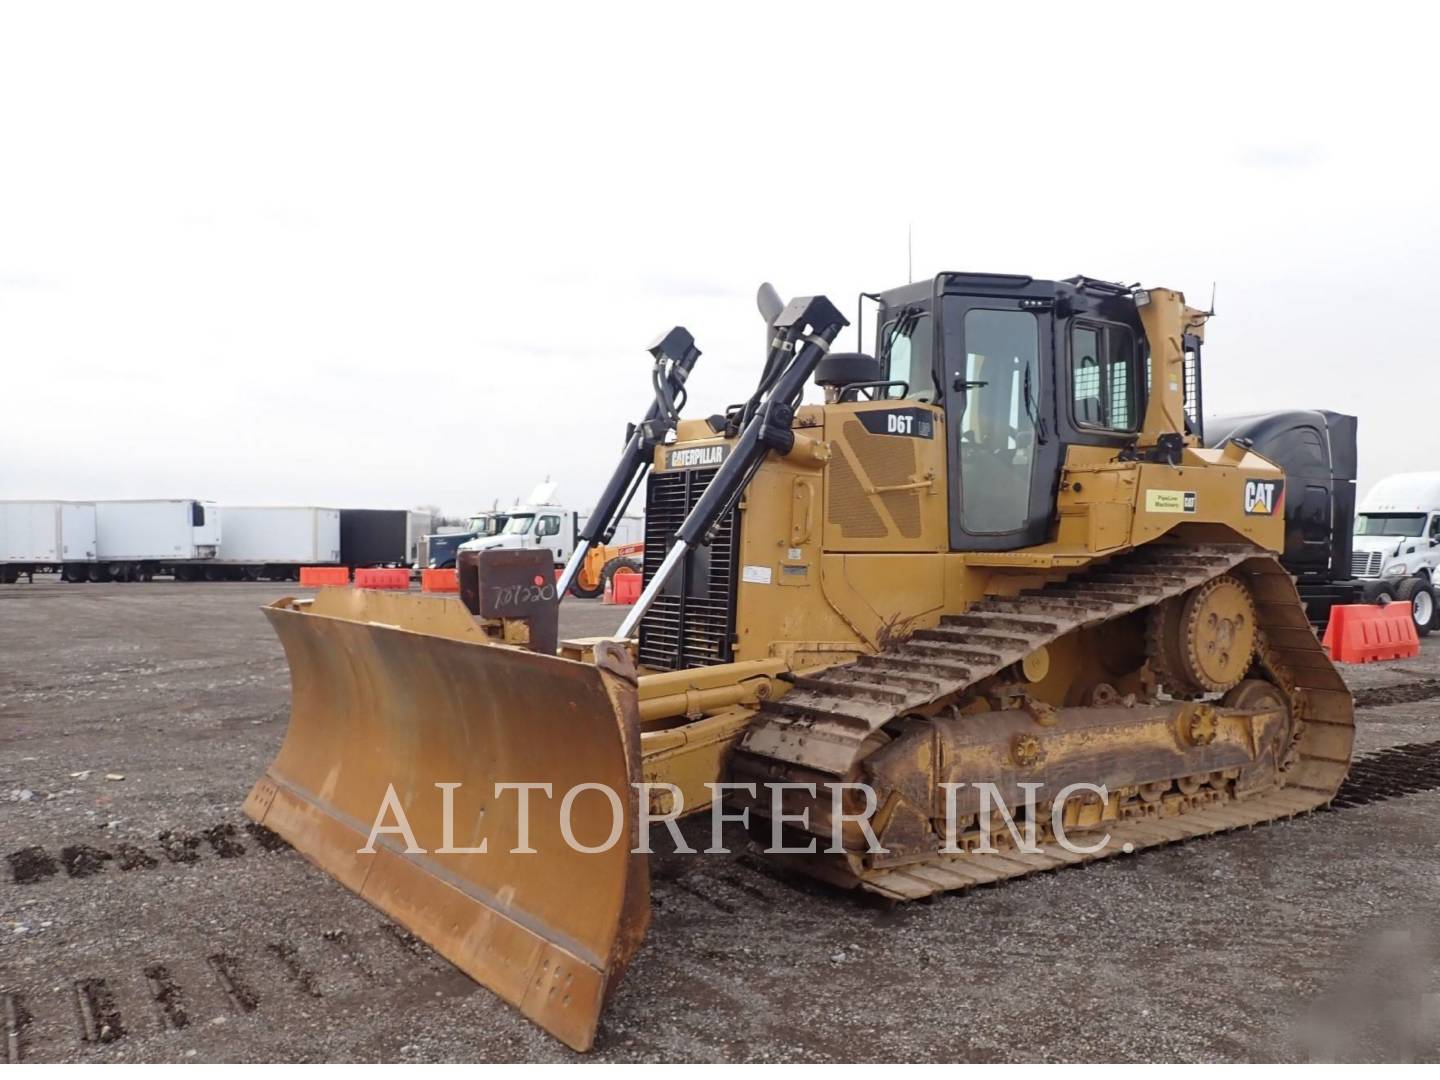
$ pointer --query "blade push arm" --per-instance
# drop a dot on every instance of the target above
(675, 355)
(767, 428)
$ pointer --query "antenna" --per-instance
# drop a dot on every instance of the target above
(1212, 300)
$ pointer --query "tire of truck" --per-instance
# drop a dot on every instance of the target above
(98, 572)
(614, 566)
(72, 573)
(9, 574)
(1377, 592)
(1421, 597)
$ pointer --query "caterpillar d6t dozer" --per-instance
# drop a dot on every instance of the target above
(995, 579)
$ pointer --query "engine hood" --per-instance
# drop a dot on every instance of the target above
(1384, 544)
(484, 543)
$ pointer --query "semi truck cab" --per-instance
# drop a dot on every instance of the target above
(1397, 528)
(531, 528)
(441, 548)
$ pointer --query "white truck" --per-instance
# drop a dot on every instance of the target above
(438, 549)
(135, 539)
(274, 542)
(541, 522)
(46, 536)
(1397, 542)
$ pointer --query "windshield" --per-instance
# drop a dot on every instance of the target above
(483, 524)
(519, 523)
(1389, 524)
(905, 347)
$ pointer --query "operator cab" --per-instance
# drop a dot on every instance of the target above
(1023, 369)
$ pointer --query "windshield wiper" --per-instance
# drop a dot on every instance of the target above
(1031, 411)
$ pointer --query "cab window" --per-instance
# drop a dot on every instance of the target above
(1104, 385)
(549, 525)
(519, 524)
(907, 353)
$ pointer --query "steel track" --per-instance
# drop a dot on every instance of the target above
(823, 723)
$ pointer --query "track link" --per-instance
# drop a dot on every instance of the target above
(823, 724)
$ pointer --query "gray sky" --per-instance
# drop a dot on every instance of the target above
(361, 256)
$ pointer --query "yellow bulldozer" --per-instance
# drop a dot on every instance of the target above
(990, 609)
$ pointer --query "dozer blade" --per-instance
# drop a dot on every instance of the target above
(394, 690)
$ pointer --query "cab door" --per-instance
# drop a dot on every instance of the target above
(547, 532)
(998, 373)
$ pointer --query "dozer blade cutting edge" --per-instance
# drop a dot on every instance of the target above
(393, 691)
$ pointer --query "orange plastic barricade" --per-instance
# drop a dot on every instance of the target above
(439, 580)
(624, 588)
(382, 578)
(314, 576)
(1360, 633)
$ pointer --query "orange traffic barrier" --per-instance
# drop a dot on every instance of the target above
(382, 578)
(439, 580)
(313, 576)
(1360, 633)
(623, 587)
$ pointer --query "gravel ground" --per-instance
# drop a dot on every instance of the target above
(128, 712)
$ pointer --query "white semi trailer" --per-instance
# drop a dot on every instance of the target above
(135, 539)
(274, 542)
(46, 536)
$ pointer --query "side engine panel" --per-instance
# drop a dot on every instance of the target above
(885, 483)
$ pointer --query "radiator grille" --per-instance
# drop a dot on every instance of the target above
(1366, 563)
(692, 622)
